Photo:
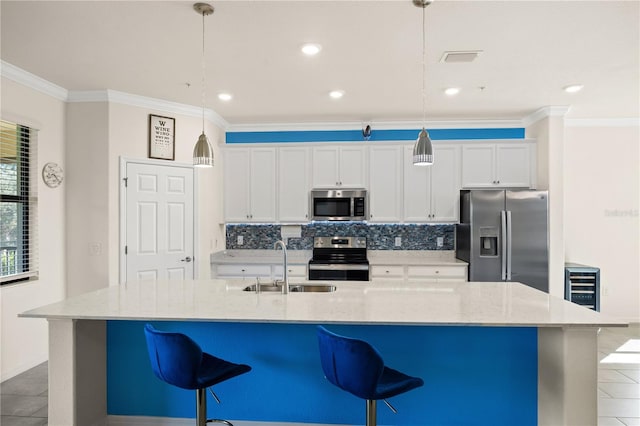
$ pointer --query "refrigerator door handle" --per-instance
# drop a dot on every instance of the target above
(509, 244)
(503, 222)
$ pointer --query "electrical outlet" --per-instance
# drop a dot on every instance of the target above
(398, 241)
(240, 240)
(440, 241)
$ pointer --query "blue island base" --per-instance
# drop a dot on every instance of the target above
(473, 375)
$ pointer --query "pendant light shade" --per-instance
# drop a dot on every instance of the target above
(202, 152)
(423, 149)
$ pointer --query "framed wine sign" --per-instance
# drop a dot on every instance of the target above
(162, 137)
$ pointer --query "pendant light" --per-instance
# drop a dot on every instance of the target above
(423, 149)
(202, 152)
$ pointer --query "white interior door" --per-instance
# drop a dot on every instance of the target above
(159, 222)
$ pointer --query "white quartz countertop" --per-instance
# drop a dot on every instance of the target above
(376, 257)
(457, 303)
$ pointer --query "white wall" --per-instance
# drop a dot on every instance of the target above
(86, 202)
(99, 134)
(24, 340)
(549, 134)
(128, 137)
(602, 178)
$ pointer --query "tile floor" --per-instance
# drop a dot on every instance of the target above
(24, 397)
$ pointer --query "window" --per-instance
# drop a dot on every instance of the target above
(18, 202)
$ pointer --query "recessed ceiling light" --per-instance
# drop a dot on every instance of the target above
(336, 94)
(225, 96)
(573, 88)
(451, 91)
(311, 49)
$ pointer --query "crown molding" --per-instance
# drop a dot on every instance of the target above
(160, 105)
(603, 122)
(544, 112)
(32, 81)
(39, 84)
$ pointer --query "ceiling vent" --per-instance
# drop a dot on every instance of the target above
(460, 56)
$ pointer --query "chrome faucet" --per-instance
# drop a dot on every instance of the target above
(285, 284)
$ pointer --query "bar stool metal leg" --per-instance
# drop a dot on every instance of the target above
(201, 407)
(371, 412)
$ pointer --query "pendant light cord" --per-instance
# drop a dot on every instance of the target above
(424, 67)
(203, 72)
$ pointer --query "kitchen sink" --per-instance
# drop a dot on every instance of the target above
(311, 288)
(269, 287)
(293, 288)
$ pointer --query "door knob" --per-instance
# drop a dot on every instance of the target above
(186, 259)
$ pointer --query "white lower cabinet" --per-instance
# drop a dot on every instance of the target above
(298, 272)
(248, 272)
(387, 272)
(262, 271)
(419, 273)
(436, 273)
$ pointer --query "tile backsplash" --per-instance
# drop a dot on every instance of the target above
(379, 236)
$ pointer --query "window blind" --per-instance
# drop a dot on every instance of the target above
(18, 203)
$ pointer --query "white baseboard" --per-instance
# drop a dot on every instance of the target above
(168, 421)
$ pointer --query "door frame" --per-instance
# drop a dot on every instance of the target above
(124, 162)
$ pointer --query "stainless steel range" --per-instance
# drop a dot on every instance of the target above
(339, 258)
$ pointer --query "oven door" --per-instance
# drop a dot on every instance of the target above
(338, 272)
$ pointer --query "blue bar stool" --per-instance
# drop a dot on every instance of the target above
(179, 361)
(355, 366)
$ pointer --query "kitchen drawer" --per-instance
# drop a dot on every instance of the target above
(298, 271)
(387, 271)
(243, 271)
(457, 273)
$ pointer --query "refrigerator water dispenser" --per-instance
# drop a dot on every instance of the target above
(489, 241)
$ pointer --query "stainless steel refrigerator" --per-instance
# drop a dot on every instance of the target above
(504, 236)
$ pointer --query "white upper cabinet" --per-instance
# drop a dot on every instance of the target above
(385, 183)
(498, 165)
(431, 192)
(293, 184)
(250, 184)
(339, 166)
(513, 165)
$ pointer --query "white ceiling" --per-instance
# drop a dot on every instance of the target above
(371, 50)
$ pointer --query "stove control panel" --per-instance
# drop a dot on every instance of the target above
(340, 242)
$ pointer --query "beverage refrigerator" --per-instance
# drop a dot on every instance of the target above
(503, 236)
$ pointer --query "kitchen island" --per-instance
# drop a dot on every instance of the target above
(490, 353)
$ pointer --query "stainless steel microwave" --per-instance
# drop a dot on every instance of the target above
(339, 204)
